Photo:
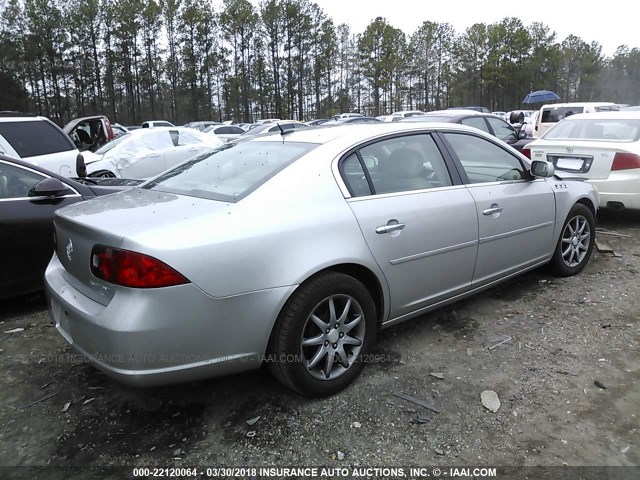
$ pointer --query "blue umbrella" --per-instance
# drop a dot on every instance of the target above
(540, 96)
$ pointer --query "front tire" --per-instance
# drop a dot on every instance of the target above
(575, 244)
(322, 335)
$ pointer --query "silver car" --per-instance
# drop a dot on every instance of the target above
(294, 249)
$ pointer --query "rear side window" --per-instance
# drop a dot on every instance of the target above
(399, 164)
(554, 115)
(31, 139)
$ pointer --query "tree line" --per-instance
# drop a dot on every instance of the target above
(183, 60)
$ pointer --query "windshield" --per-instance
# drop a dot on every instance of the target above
(609, 130)
(231, 171)
(108, 146)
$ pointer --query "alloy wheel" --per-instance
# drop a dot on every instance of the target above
(332, 337)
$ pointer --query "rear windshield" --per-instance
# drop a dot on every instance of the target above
(609, 130)
(34, 138)
(231, 171)
(555, 114)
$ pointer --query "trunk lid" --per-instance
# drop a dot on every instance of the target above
(123, 220)
(589, 160)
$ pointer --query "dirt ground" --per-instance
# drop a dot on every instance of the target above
(565, 334)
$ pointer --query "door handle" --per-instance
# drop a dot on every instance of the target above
(493, 210)
(154, 155)
(394, 227)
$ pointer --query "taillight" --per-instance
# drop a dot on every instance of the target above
(526, 152)
(132, 269)
(625, 161)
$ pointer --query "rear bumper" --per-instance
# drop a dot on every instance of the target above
(167, 335)
(621, 186)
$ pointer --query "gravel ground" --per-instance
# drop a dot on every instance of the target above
(564, 336)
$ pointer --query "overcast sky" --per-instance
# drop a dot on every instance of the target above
(610, 23)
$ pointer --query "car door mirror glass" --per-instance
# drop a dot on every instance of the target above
(541, 169)
(49, 187)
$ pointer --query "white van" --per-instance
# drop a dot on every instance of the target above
(551, 114)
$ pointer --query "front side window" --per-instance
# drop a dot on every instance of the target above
(501, 129)
(484, 161)
(400, 164)
(231, 171)
(35, 138)
(16, 182)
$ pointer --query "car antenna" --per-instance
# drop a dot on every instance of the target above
(280, 128)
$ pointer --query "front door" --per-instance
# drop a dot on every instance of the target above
(516, 214)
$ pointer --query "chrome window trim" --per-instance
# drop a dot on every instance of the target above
(404, 193)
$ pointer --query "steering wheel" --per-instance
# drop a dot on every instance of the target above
(609, 136)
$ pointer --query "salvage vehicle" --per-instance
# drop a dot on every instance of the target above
(294, 249)
(602, 148)
(90, 133)
(53, 151)
(486, 122)
(28, 197)
(146, 152)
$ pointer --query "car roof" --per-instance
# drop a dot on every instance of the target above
(453, 112)
(20, 117)
(360, 131)
(577, 104)
(616, 115)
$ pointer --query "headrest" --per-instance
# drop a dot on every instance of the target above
(404, 163)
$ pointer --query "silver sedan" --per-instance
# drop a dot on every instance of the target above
(295, 249)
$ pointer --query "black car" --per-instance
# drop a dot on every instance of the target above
(28, 197)
(485, 122)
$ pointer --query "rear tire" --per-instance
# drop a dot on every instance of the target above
(575, 244)
(322, 335)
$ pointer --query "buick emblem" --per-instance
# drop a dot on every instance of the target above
(69, 249)
(569, 150)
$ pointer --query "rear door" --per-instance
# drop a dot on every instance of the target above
(26, 229)
(419, 222)
(516, 214)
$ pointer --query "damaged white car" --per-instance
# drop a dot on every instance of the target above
(144, 153)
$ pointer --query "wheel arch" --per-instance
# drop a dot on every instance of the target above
(586, 201)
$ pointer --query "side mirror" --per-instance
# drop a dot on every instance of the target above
(541, 169)
(49, 187)
(522, 134)
(81, 168)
